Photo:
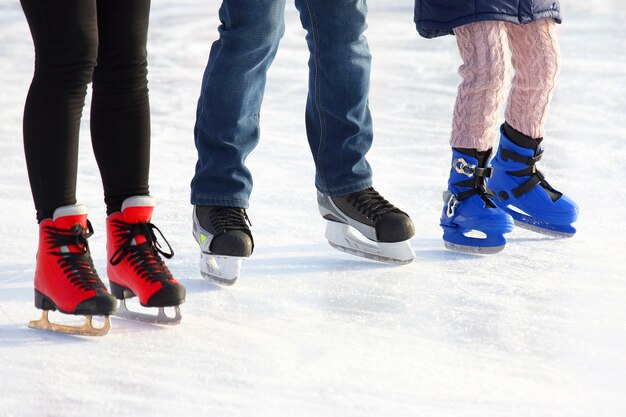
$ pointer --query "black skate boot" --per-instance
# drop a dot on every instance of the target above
(225, 240)
(386, 228)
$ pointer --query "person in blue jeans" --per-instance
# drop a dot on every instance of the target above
(338, 126)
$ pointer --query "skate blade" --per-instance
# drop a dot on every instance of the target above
(541, 230)
(341, 237)
(548, 229)
(478, 250)
(86, 329)
(485, 242)
(223, 270)
(159, 318)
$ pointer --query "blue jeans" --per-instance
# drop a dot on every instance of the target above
(338, 120)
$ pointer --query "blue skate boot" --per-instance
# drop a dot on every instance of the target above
(524, 192)
(471, 221)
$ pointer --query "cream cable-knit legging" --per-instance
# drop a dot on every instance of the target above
(535, 57)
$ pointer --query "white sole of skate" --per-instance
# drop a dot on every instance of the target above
(342, 237)
(223, 270)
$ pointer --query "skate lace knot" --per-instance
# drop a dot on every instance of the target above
(77, 266)
(143, 257)
(229, 218)
(371, 204)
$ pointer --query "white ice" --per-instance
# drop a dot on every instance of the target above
(537, 330)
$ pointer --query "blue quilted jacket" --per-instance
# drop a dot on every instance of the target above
(438, 17)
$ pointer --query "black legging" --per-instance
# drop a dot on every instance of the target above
(77, 42)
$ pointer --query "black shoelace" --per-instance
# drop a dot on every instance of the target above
(371, 204)
(77, 267)
(224, 219)
(143, 257)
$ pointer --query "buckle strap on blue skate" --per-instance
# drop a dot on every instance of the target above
(536, 178)
(481, 190)
(477, 179)
(483, 172)
(477, 186)
(526, 160)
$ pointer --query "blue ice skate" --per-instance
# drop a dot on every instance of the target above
(524, 192)
(471, 221)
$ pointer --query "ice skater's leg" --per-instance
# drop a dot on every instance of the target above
(481, 93)
(536, 60)
(338, 119)
(120, 110)
(66, 45)
(470, 219)
(227, 124)
(522, 189)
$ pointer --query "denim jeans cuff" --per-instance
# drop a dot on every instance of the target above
(205, 200)
(346, 189)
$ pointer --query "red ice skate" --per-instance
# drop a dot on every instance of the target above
(135, 266)
(65, 278)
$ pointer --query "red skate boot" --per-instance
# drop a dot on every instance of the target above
(65, 278)
(135, 267)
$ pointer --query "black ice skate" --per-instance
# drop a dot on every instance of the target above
(225, 240)
(386, 229)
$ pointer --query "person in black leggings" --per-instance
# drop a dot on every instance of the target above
(102, 42)
(77, 41)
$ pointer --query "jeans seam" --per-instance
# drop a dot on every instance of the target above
(317, 93)
(210, 70)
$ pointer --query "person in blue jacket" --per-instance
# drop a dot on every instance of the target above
(489, 196)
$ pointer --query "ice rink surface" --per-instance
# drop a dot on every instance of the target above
(537, 330)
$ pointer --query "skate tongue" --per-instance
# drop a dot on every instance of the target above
(67, 217)
(138, 209)
(138, 240)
